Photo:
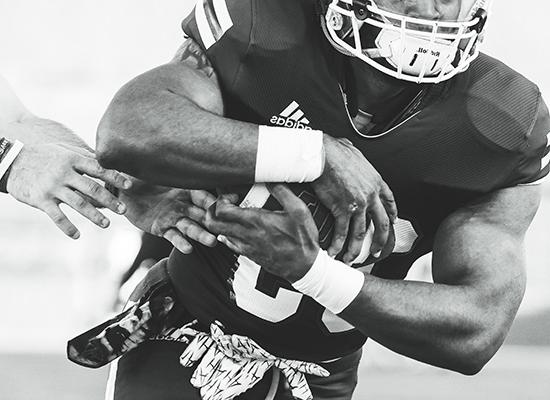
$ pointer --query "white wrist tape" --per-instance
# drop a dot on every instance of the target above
(10, 157)
(289, 154)
(331, 283)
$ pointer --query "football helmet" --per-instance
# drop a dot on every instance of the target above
(409, 48)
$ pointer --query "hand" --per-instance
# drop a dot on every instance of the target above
(46, 175)
(284, 243)
(355, 194)
(175, 214)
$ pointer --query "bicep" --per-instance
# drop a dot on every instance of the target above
(190, 74)
(187, 80)
(166, 96)
(480, 247)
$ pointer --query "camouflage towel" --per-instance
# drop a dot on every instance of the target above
(141, 320)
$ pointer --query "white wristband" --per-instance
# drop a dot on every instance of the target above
(289, 154)
(10, 157)
(331, 283)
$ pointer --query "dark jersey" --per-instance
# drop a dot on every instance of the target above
(483, 130)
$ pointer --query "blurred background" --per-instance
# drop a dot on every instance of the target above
(65, 60)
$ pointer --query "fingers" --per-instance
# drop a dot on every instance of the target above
(387, 199)
(227, 219)
(194, 231)
(202, 198)
(82, 206)
(178, 241)
(194, 213)
(233, 244)
(223, 211)
(357, 233)
(91, 167)
(341, 224)
(286, 197)
(97, 193)
(381, 223)
(61, 221)
(225, 228)
(233, 198)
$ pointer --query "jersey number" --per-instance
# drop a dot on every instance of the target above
(265, 296)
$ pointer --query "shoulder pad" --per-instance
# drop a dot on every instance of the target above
(502, 104)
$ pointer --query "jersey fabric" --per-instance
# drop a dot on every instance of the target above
(161, 376)
(450, 144)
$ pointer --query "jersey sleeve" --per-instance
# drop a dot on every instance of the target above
(534, 165)
(223, 29)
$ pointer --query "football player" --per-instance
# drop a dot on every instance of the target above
(459, 137)
(44, 164)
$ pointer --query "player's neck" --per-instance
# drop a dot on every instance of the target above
(379, 94)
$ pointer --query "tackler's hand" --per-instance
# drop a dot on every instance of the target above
(356, 194)
(175, 214)
(46, 175)
(284, 242)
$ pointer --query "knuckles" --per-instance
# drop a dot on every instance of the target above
(80, 202)
(301, 212)
(94, 188)
(384, 225)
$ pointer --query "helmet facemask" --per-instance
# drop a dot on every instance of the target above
(412, 49)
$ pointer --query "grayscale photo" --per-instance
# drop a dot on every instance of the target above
(274, 200)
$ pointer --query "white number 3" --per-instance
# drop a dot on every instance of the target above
(282, 303)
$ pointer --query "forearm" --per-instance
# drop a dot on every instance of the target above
(478, 267)
(166, 139)
(179, 138)
(34, 130)
(443, 325)
(167, 127)
(18, 123)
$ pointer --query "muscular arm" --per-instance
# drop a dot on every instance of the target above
(166, 127)
(458, 322)
(461, 320)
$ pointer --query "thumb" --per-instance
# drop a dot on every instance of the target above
(286, 197)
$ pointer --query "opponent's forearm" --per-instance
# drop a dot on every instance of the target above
(18, 123)
(443, 325)
(35, 130)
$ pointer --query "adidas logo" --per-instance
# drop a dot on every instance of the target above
(291, 117)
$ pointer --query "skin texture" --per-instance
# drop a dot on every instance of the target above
(428, 9)
(478, 265)
(213, 151)
(54, 167)
(172, 213)
(459, 321)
